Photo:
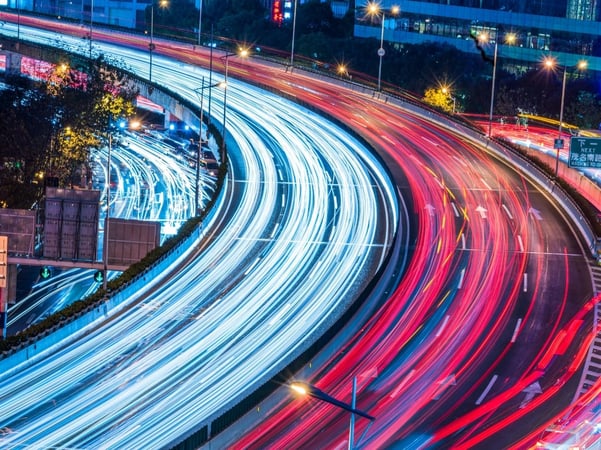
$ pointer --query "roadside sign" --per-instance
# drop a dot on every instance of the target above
(99, 276)
(558, 144)
(45, 272)
(585, 152)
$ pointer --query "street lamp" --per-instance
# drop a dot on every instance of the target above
(293, 34)
(242, 52)
(373, 9)
(162, 4)
(199, 21)
(307, 389)
(342, 70)
(551, 64)
(510, 39)
(200, 91)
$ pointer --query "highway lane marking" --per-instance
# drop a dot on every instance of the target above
(252, 266)
(435, 144)
(486, 184)
(520, 244)
(455, 209)
(443, 326)
(516, 330)
(487, 389)
(403, 383)
(275, 229)
(459, 286)
(507, 211)
(525, 282)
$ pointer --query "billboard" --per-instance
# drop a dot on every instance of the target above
(71, 224)
(131, 240)
(585, 153)
(19, 226)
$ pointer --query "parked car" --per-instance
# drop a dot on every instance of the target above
(208, 154)
(210, 167)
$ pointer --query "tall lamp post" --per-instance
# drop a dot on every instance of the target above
(242, 52)
(373, 9)
(199, 21)
(551, 64)
(105, 245)
(162, 4)
(510, 39)
(200, 91)
(307, 389)
(293, 35)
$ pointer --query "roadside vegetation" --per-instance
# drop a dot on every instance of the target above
(50, 127)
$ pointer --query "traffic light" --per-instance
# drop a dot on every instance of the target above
(45, 272)
(99, 276)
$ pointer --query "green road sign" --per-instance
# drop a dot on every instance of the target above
(45, 272)
(585, 152)
(99, 276)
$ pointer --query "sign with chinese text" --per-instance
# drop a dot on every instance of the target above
(585, 153)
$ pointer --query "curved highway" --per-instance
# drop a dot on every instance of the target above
(308, 217)
(482, 340)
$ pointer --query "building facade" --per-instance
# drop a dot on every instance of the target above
(524, 31)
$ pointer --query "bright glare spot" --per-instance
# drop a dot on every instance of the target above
(298, 388)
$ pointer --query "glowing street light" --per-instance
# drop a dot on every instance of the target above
(551, 64)
(510, 39)
(342, 70)
(200, 91)
(306, 389)
(151, 46)
(243, 53)
(373, 9)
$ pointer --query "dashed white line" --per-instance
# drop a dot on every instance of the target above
(516, 330)
(487, 390)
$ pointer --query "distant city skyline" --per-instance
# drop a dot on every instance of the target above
(556, 30)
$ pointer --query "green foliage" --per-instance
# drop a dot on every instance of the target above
(438, 99)
(51, 128)
(584, 110)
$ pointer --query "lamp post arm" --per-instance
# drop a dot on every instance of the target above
(320, 395)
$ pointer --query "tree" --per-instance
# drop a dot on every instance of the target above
(584, 111)
(50, 128)
(439, 99)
